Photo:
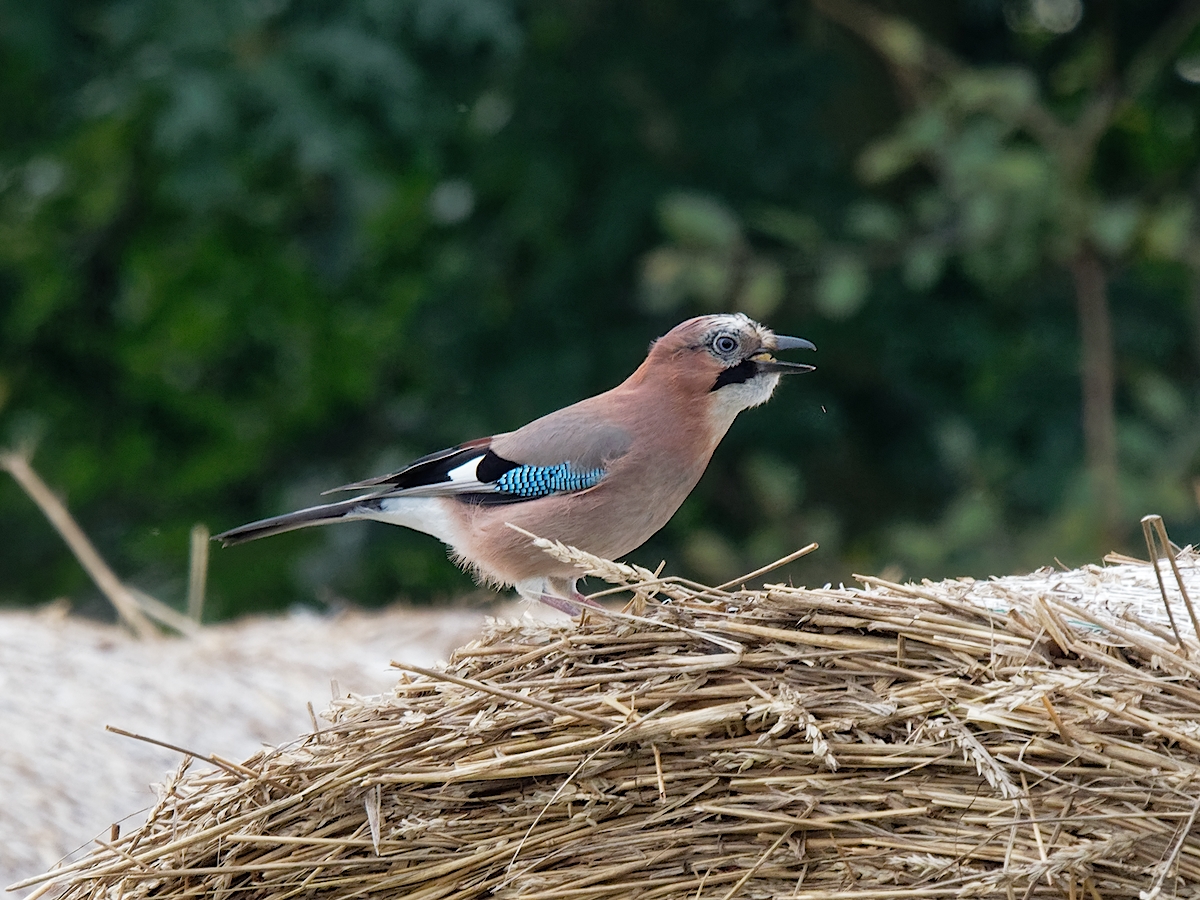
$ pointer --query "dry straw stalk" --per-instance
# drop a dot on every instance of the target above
(1001, 739)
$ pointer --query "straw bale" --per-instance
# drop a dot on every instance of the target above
(1009, 738)
(228, 688)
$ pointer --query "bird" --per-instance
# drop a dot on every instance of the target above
(602, 475)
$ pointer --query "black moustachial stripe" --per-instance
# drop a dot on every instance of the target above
(742, 372)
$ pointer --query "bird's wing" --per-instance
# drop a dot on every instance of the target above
(584, 435)
(522, 465)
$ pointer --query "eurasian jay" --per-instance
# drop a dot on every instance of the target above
(603, 474)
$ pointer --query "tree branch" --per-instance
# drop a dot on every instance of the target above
(1156, 53)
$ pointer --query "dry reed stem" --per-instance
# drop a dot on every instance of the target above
(197, 572)
(135, 608)
(55, 511)
(895, 741)
(1155, 523)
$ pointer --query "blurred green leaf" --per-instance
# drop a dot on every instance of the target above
(1005, 93)
(902, 43)
(699, 220)
(1082, 69)
(712, 555)
(842, 286)
(1168, 228)
(664, 279)
(777, 486)
(871, 220)
(886, 158)
(1161, 400)
(802, 232)
(924, 262)
(762, 289)
(1115, 224)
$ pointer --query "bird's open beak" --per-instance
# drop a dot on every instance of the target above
(768, 363)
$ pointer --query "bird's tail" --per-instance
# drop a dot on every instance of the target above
(314, 515)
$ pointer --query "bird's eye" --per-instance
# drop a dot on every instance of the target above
(725, 345)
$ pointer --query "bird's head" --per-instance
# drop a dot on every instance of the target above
(729, 356)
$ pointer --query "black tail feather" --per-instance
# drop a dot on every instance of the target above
(304, 518)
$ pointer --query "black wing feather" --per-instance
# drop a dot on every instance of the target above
(435, 469)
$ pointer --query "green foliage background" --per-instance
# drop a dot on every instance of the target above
(251, 249)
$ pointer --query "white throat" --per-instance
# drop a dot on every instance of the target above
(731, 399)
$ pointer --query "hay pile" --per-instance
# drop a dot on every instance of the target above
(895, 741)
(231, 688)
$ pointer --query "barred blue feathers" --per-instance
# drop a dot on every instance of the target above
(531, 482)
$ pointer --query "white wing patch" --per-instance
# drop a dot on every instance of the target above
(467, 475)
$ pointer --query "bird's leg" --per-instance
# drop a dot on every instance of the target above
(570, 607)
(568, 587)
(557, 593)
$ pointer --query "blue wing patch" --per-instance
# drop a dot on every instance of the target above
(474, 474)
(531, 482)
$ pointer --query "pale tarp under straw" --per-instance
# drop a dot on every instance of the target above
(897, 741)
(1126, 590)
